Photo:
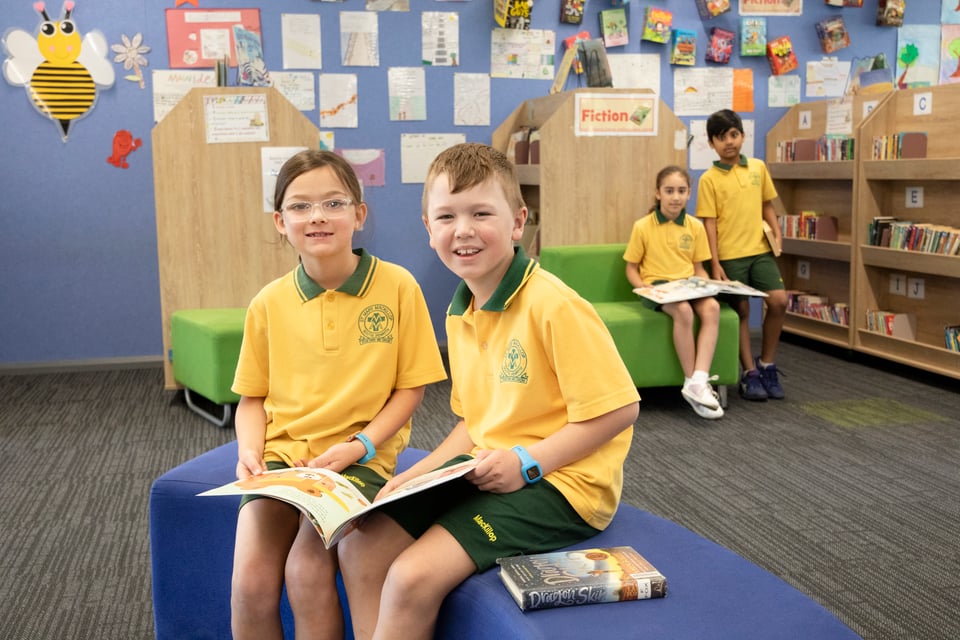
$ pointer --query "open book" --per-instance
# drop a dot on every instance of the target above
(331, 501)
(695, 287)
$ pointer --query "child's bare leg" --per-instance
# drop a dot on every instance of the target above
(776, 311)
(265, 530)
(418, 581)
(311, 578)
(683, 341)
(708, 310)
(365, 556)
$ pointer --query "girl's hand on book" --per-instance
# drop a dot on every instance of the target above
(392, 484)
(250, 463)
(497, 471)
(338, 457)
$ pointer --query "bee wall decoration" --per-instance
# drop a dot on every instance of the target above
(60, 70)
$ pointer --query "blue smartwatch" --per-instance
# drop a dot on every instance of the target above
(529, 468)
(371, 450)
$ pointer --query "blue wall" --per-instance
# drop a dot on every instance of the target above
(78, 256)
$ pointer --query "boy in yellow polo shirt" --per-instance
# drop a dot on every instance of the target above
(665, 245)
(546, 406)
(734, 198)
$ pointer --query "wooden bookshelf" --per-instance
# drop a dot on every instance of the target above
(821, 267)
(922, 284)
(216, 246)
(590, 189)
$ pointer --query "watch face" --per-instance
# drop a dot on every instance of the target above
(533, 473)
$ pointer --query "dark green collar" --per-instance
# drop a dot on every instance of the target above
(662, 218)
(520, 267)
(356, 285)
(727, 167)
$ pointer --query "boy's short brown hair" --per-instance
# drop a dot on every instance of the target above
(469, 164)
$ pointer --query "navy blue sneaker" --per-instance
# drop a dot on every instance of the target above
(751, 386)
(770, 380)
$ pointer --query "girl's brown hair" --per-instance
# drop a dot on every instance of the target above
(663, 174)
(309, 160)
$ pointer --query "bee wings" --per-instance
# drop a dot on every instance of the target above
(93, 56)
(24, 57)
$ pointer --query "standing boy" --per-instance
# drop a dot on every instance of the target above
(734, 199)
(545, 405)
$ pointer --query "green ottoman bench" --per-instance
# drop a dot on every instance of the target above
(205, 347)
(644, 337)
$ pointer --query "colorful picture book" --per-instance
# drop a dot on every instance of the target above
(694, 287)
(720, 47)
(613, 27)
(683, 49)
(833, 34)
(753, 36)
(512, 14)
(712, 8)
(330, 501)
(781, 56)
(657, 24)
(583, 576)
(571, 11)
(890, 13)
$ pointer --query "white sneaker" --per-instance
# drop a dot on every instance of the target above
(704, 411)
(701, 393)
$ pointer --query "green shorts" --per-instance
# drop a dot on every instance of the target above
(534, 519)
(759, 271)
(363, 478)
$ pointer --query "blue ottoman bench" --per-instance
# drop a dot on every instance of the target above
(205, 347)
(711, 592)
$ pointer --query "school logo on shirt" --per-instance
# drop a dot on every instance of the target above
(376, 324)
(755, 178)
(513, 368)
(686, 242)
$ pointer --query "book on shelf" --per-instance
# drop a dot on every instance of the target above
(817, 306)
(889, 323)
(329, 500)
(781, 56)
(574, 42)
(951, 337)
(579, 577)
(753, 36)
(809, 225)
(596, 66)
(833, 34)
(657, 24)
(695, 287)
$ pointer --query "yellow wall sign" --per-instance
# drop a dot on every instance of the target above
(622, 114)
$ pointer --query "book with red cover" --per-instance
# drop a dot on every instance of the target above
(913, 144)
(781, 56)
(720, 47)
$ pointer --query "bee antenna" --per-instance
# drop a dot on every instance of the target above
(68, 5)
(39, 6)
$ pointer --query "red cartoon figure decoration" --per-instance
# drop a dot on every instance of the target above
(60, 70)
(123, 145)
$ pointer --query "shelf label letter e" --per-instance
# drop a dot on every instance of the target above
(914, 198)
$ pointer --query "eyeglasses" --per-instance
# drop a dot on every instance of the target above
(332, 208)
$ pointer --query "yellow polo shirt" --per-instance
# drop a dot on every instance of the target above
(734, 195)
(534, 358)
(326, 362)
(667, 249)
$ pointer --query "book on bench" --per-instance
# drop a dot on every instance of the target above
(582, 576)
(332, 502)
(695, 287)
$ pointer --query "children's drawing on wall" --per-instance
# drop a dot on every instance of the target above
(918, 62)
(60, 70)
(130, 52)
(950, 53)
(123, 145)
(251, 69)
(950, 12)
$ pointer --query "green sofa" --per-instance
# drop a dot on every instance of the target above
(644, 337)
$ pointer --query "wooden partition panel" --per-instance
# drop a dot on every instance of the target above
(216, 246)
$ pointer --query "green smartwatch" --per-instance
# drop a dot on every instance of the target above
(371, 450)
(529, 467)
